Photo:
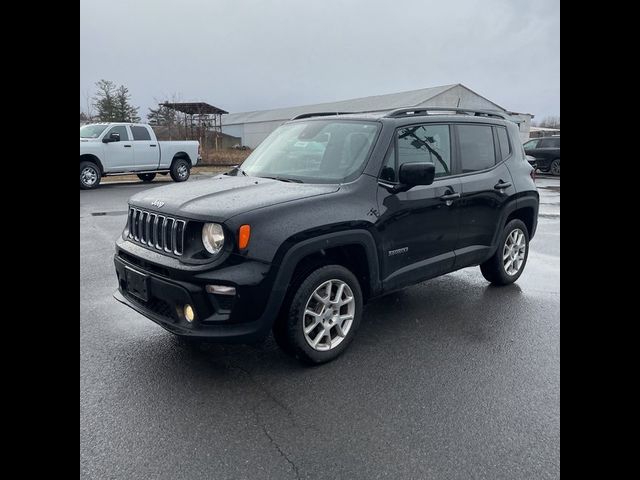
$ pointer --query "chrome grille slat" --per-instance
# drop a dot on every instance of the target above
(156, 231)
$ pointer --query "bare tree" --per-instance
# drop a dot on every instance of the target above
(552, 121)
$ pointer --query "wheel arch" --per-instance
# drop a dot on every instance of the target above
(182, 155)
(88, 157)
(353, 249)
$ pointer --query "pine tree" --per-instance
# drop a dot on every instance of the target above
(161, 116)
(112, 103)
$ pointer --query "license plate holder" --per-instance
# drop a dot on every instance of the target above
(137, 284)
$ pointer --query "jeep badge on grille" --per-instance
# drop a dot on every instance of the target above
(157, 203)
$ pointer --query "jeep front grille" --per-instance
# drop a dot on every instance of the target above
(156, 231)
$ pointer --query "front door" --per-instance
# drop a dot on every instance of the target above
(118, 155)
(418, 228)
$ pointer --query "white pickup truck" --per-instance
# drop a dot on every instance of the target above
(118, 148)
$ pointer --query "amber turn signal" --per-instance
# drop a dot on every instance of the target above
(243, 236)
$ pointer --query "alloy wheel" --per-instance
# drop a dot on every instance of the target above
(328, 315)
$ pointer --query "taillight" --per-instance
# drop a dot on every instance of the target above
(533, 174)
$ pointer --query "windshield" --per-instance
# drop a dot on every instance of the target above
(315, 151)
(92, 131)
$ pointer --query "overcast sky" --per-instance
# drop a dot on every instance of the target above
(243, 55)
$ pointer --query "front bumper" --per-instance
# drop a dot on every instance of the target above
(240, 318)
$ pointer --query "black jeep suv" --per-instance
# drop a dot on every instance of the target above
(327, 213)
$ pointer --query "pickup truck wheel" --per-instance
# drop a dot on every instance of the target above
(89, 175)
(555, 167)
(507, 264)
(322, 317)
(146, 177)
(180, 170)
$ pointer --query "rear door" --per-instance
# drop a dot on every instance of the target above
(118, 155)
(486, 185)
(418, 228)
(145, 148)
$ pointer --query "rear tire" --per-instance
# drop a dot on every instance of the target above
(90, 175)
(180, 170)
(146, 177)
(554, 168)
(508, 262)
(336, 313)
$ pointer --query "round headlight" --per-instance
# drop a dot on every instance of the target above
(212, 237)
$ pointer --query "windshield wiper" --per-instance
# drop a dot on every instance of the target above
(285, 179)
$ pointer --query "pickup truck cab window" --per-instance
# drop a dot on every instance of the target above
(120, 130)
(140, 133)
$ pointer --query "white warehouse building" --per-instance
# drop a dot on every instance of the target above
(253, 127)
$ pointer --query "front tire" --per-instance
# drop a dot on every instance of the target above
(180, 170)
(322, 317)
(89, 175)
(508, 262)
(147, 177)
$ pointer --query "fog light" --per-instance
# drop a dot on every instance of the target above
(221, 289)
(189, 314)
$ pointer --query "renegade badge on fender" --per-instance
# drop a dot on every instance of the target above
(327, 213)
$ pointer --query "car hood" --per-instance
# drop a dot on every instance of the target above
(222, 197)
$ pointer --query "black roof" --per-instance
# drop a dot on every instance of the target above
(195, 108)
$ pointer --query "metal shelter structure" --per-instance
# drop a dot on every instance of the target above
(199, 119)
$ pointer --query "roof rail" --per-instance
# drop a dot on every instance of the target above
(411, 111)
(318, 114)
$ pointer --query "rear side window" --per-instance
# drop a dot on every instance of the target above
(477, 151)
(121, 130)
(531, 144)
(549, 143)
(426, 143)
(503, 139)
(140, 133)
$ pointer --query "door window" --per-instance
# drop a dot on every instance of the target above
(531, 144)
(425, 143)
(140, 133)
(550, 143)
(503, 139)
(120, 130)
(477, 151)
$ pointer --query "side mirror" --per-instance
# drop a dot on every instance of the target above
(415, 173)
(114, 137)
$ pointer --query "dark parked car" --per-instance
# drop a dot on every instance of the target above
(296, 240)
(546, 151)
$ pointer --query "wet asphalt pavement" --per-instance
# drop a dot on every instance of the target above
(449, 379)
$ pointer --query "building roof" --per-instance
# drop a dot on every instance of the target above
(194, 108)
(365, 104)
(544, 129)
